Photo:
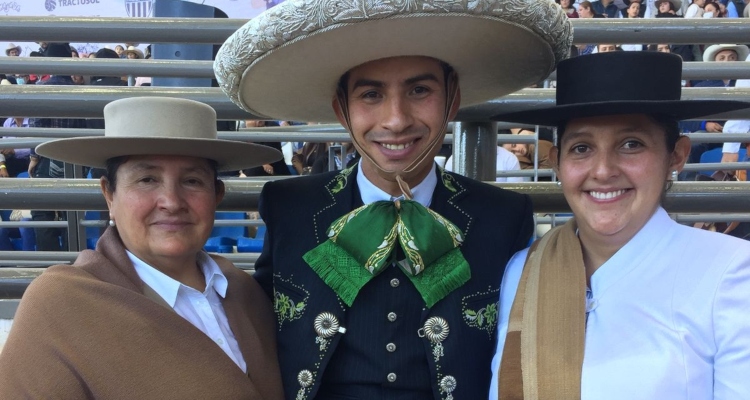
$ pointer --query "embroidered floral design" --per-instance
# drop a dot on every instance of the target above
(384, 250)
(412, 251)
(285, 307)
(341, 179)
(484, 318)
(447, 180)
(293, 20)
(455, 233)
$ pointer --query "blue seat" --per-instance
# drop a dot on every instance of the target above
(261, 232)
(229, 231)
(714, 156)
(220, 244)
(249, 245)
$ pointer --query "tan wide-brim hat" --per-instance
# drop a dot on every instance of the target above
(158, 126)
(710, 53)
(138, 53)
(12, 46)
(285, 63)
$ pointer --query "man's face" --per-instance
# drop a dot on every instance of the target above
(396, 108)
(13, 53)
(726, 55)
(663, 48)
(606, 48)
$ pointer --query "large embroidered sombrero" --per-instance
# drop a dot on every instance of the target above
(285, 63)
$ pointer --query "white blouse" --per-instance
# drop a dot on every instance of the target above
(669, 317)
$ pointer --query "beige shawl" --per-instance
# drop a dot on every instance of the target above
(543, 353)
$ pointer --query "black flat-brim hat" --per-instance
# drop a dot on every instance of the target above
(609, 84)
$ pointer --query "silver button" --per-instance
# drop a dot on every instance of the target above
(391, 377)
(392, 316)
(395, 282)
(391, 347)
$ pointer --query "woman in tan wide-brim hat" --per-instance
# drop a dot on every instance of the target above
(148, 314)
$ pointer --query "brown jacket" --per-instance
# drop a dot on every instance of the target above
(87, 331)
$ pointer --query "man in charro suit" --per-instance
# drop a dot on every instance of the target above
(385, 275)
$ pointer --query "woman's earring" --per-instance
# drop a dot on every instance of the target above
(559, 183)
(112, 222)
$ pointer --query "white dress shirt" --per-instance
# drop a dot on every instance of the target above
(668, 317)
(203, 310)
(422, 192)
(736, 125)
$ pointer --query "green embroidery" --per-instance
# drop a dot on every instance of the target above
(362, 244)
(341, 179)
(383, 251)
(286, 309)
(455, 233)
(484, 318)
(416, 263)
(447, 180)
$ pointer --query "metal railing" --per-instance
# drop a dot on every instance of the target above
(728, 199)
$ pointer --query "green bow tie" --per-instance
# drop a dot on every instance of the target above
(361, 245)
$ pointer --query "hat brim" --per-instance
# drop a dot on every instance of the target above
(741, 50)
(492, 57)
(678, 109)
(95, 151)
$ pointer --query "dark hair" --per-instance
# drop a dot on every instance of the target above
(106, 53)
(666, 123)
(343, 84)
(113, 164)
(585, 4)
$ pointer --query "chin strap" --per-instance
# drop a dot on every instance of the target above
(400, 177)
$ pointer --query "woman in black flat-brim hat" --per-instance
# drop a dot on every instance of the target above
(622, 302)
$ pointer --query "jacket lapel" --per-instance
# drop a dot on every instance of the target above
(447, 199)
(339, 197)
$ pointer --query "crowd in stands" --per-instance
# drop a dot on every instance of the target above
(311, 158)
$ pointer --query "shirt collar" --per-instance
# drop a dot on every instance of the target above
(371, 193)
(168, 288)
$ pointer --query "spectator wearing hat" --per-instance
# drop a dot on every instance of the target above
(133, 53)
(13, 50)
(717, 53)
(50, 239)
